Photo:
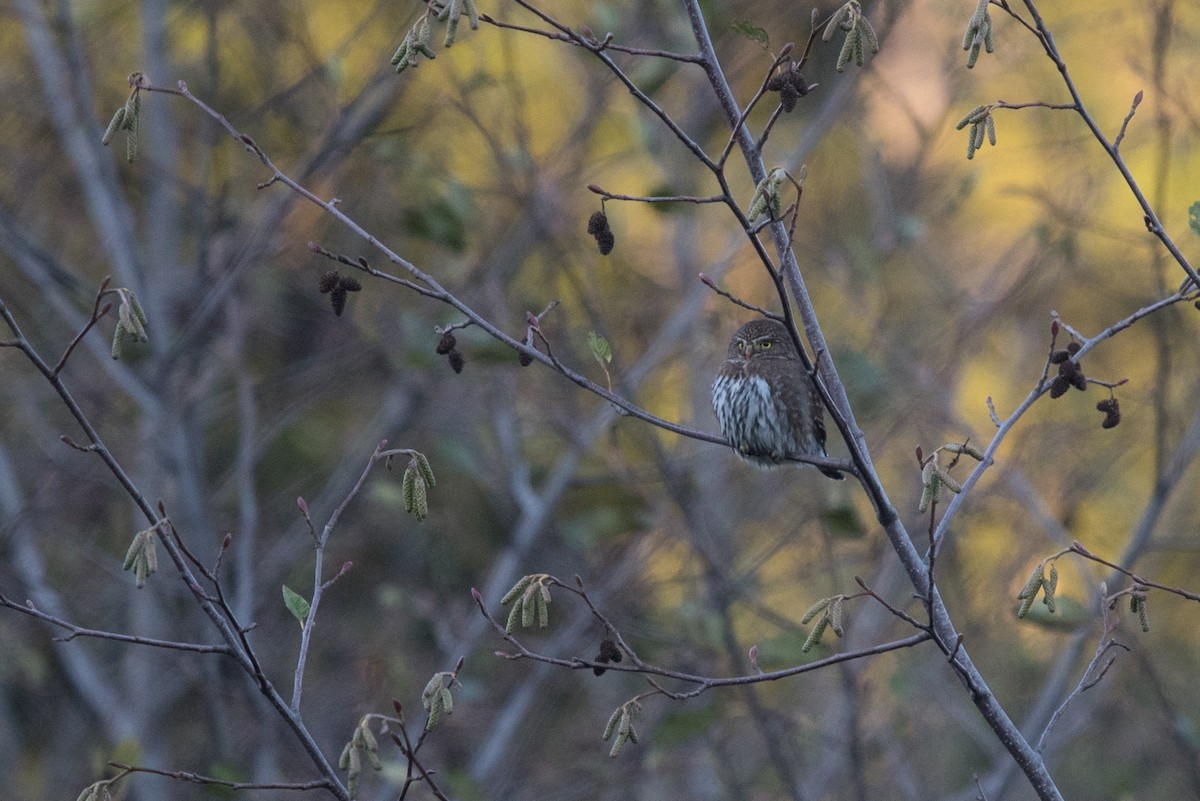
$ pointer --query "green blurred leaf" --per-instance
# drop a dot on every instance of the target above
(598, 345)
(443, 219)
(842, 520)
(1194, 217)
(751, 32)
(295, 604)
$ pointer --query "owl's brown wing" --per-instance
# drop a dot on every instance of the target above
(806, 413)
(794, 392)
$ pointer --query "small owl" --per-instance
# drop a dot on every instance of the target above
(765, 400)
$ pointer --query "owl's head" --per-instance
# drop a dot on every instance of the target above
(762, 339)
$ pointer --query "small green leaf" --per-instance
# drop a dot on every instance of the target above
(598, 345)
(1194, 217)
(295, 604)
(752, 32)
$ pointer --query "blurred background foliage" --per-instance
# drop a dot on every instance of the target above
(934, 278)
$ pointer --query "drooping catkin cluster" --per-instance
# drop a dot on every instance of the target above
(850, 19)
(831, 611)
(142, 558)
(530, 598)
(96, 792)
(1137, 606)
(419, 39)
(935, 477)
(621, 724)
(131, 322)
(128, 119)
(1040, 580)
(982, 125)
(414, 486)
(362, 742)
(436, 698)
(767, 199)
(979, 34)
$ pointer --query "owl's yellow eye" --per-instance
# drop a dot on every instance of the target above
(766, 344)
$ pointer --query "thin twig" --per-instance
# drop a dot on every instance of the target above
(196, 778)
(708, 282)
(704, 682)
(319, 582)
(558, 36)
(1077, 547)
(1137, 101)
(1091, 674)
(1153, 224)
(97, 313)
(28, 608)
(655, 198)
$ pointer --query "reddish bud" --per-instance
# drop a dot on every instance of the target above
(302, 504)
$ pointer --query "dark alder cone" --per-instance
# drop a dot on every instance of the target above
(1069, 371)
(791, 86)
(1112, 412)
(597, 222)
(599, 229)
(446, 343)
(605, 241)
(1059, 387)
(329, 281)
(337, 297)
(1059, 356)
(457, 360)
(788, 96)
(337, 287)
(609, 652)
(524, 359)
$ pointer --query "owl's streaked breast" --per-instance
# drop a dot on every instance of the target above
(752, 417)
